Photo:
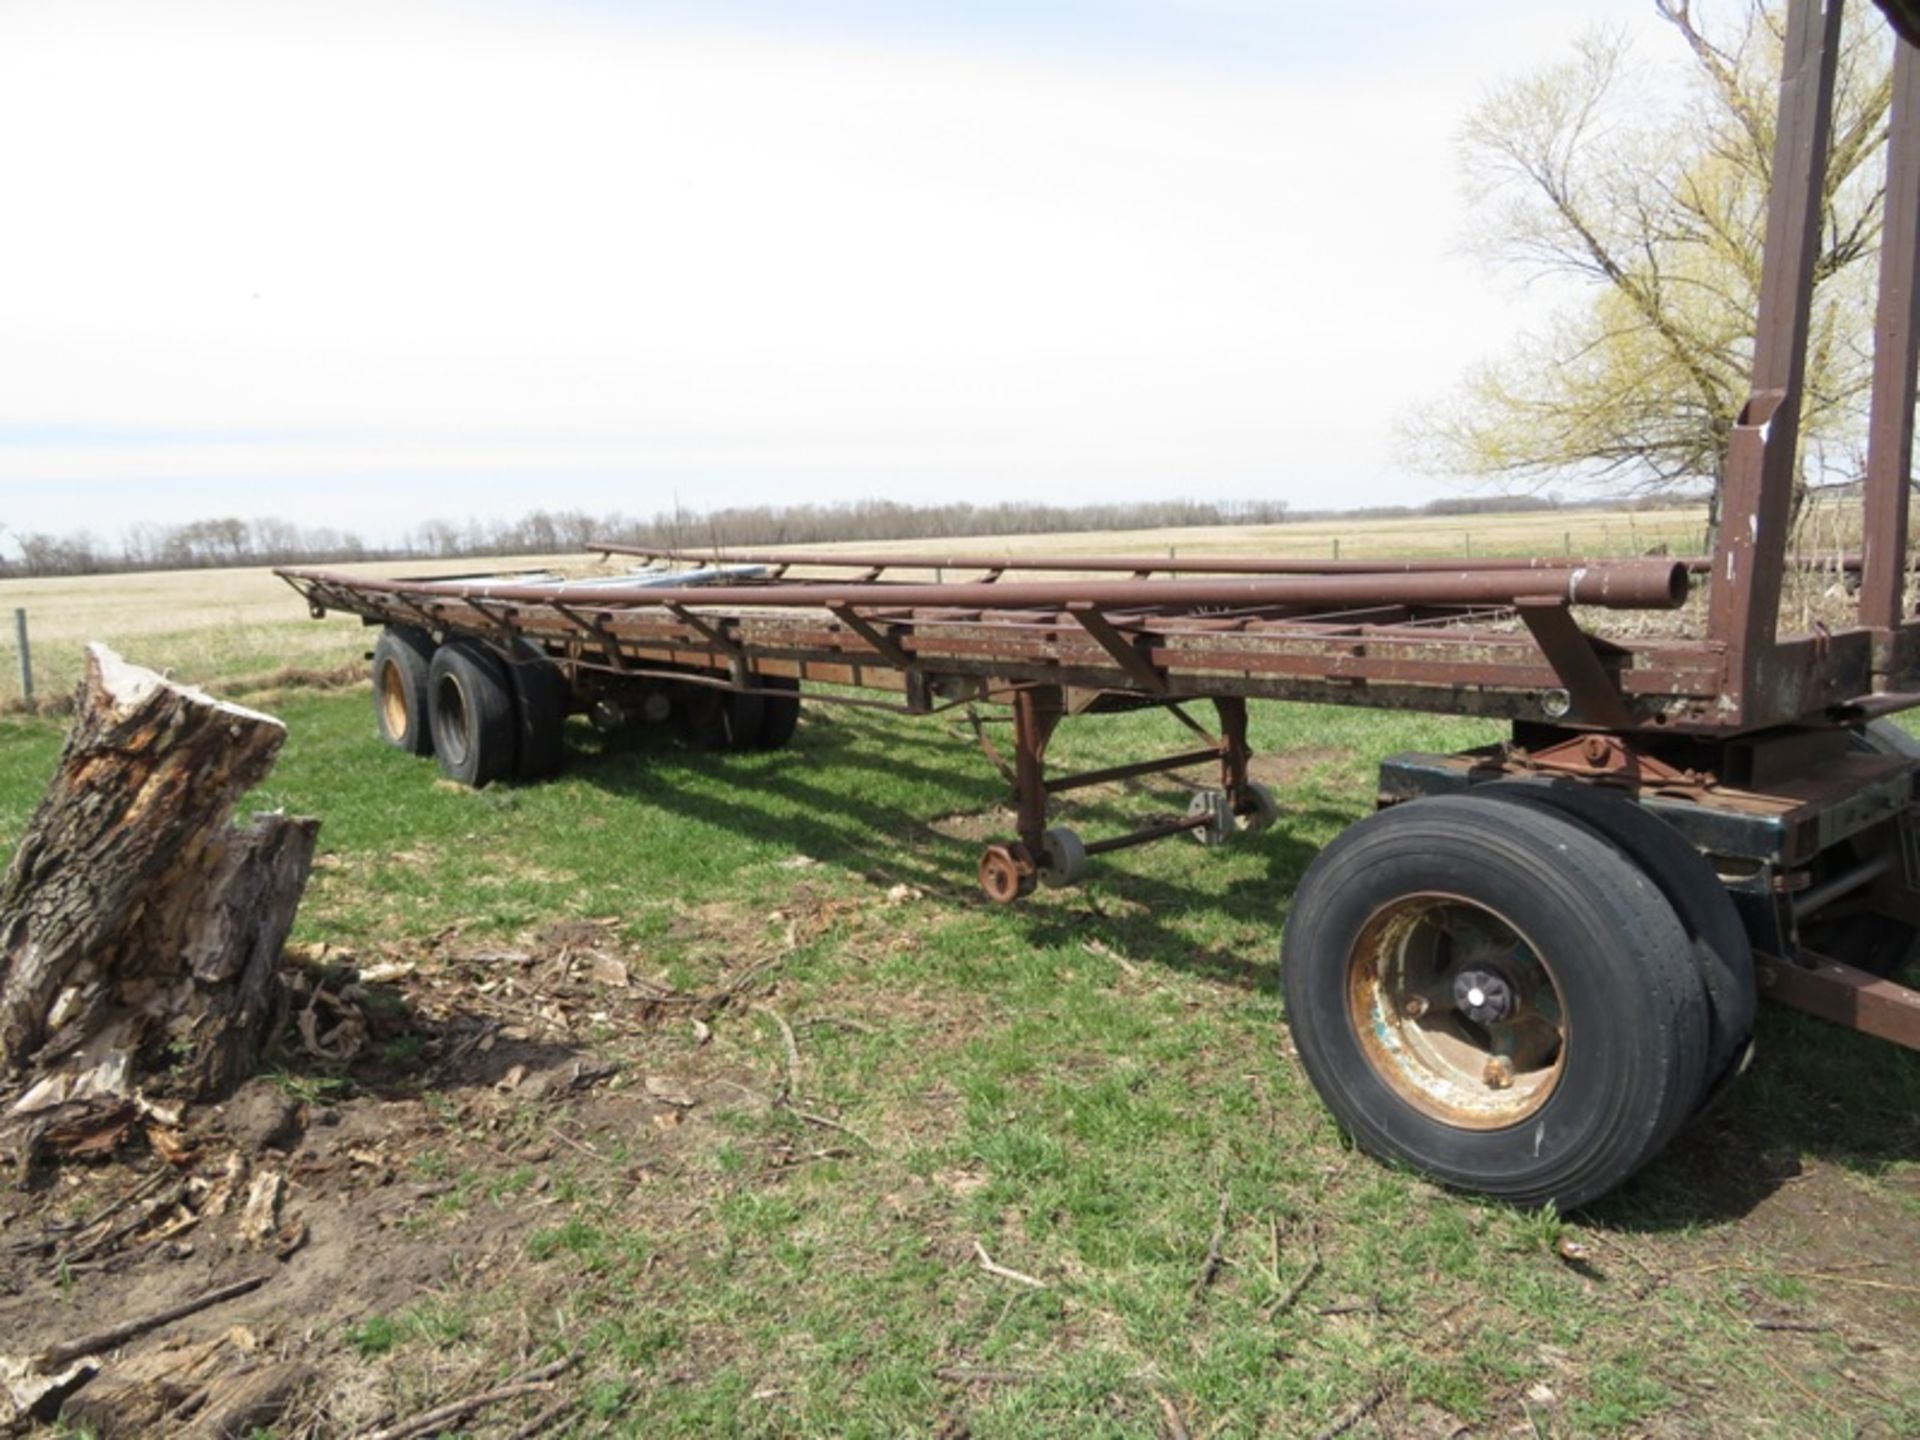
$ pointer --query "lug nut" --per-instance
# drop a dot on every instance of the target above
(1415, 1007)
(1499, 1073)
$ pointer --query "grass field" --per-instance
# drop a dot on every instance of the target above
(743, 1234)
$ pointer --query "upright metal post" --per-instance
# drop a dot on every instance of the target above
(1234, 750)
(1037, 710)
(1750, 559)
(1896, 354)
(26, 655)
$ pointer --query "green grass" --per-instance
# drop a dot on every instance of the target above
(1072, 1084)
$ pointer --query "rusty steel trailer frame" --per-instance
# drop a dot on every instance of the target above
(1716, 716)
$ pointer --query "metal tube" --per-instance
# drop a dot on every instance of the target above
(940, 561)
(1148, 835)
(1133, 771)
(1749, 562)
(1841, 886)
(1896, 353)
(1627, 585)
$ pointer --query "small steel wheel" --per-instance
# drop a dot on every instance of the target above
(1007, 873)
(1218, 810)
(1063, 857)
(1496, 995)
(1265, 811)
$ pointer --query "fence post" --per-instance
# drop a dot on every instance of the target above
(26, 656)
(1336, 547)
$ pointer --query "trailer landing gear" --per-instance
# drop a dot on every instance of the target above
(1058, 856)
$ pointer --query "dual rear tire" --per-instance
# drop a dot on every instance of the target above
(762, 719)
(1496, 989)
(491, 717)
(483, 716)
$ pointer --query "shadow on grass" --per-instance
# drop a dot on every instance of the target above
(886, 844)
(1816, 1092)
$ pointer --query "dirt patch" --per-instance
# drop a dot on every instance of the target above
(1284, 768)
(296, 677)
(431, 1110)
(974, 827)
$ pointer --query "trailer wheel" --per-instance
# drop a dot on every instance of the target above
(1495, 995)
(401, 659)
(714, 719)
(779, 714)
(473, 719)
(1721, 950)
(1063, 857)
(541, 700)
(1266, 809)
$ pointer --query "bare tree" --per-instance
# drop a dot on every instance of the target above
(1655, 207)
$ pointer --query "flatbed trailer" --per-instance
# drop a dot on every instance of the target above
(1537, 960)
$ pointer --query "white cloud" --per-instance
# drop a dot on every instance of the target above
(427, 241)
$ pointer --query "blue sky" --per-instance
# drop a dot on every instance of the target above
(364, 264)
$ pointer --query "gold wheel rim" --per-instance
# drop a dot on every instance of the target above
(393, 700)
(1457, 1011)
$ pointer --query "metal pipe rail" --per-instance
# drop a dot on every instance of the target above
(1142, 565)
(1623, 585)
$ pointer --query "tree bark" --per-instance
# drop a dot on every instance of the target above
(140, 929)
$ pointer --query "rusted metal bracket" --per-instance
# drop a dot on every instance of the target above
(1610, 757)
(420, 612)
(880, 640)
(1595, 697)
(601, 631)
(1124, 651)
(499, 619)
(1843, 994)
(716, 635)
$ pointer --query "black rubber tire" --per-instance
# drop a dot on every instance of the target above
(474, 729)
(542, 700)
(1721, 950)
(779, 714)
(1635, 1051)
(713, 719)
(402, 656)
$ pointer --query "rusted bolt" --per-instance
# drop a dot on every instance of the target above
(1416, 1006)
(1499, 1072)
(1595, 747)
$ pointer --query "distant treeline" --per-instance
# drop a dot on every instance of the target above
(205, 544)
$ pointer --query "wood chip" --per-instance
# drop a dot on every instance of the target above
(260, 1216)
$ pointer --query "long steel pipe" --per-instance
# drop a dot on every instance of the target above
(1625, 585)
(1100, 564)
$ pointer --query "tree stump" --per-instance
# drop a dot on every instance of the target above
(140, 928)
